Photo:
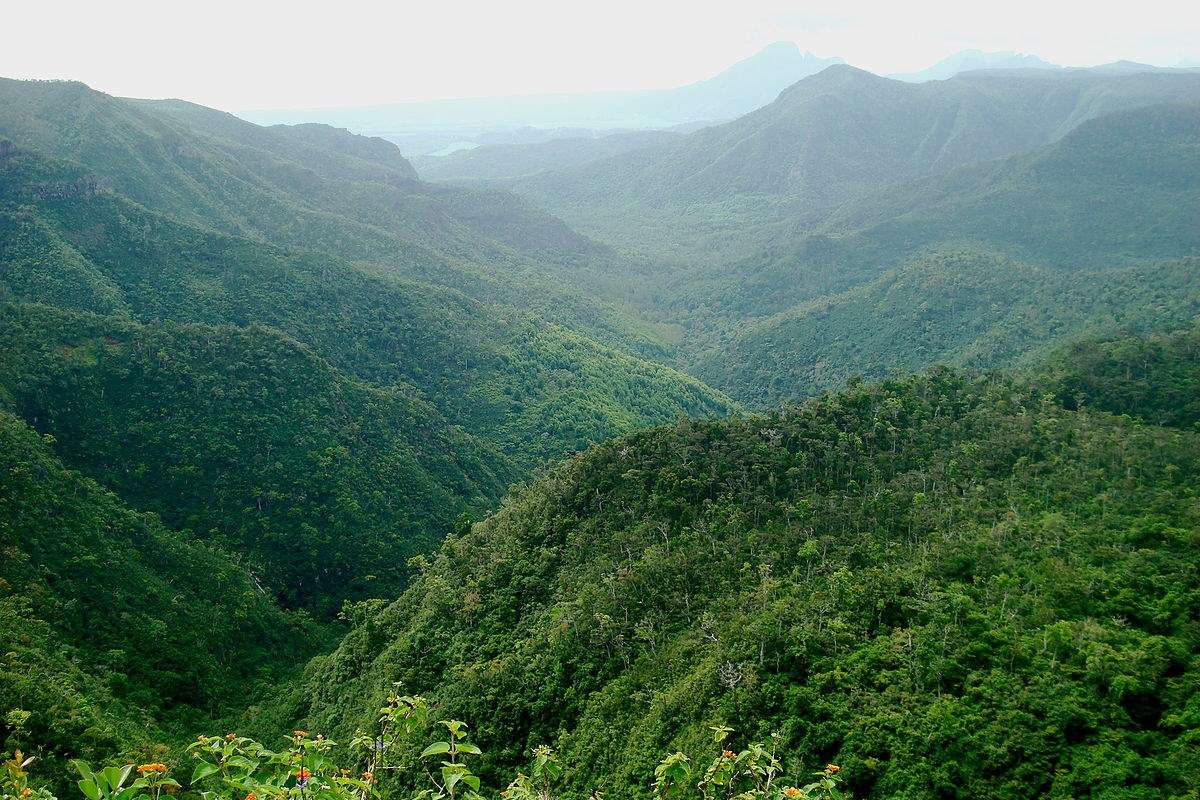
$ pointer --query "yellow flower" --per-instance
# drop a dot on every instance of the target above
(791, 792)
(831, 768)
(148, 768)
(26, 792)
(300, 734)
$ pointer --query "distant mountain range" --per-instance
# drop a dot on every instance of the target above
(437, 128)
(743, 87)
(967, 60)
(836, 135)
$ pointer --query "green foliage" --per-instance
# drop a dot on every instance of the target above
(111, 619)
(950, 586)
(245, 437)
(958, 306)
(1152, 377)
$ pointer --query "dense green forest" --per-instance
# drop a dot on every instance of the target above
(949, 585)
(245, 437)
(851, 445)
(118, 632)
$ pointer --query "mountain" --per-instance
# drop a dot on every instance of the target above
(978, 267)
(966, 60)
(948, 585)
(836, 136)
(249, 390)
(118, 632)
(245, 438)
(741, 88)
(247, 375)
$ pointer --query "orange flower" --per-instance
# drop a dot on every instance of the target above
(26, 792)
(303, 774)
(251, 796)
(832, 768)
(148, 768)
(300, 734)
(791, 792)
(229, 737)
(369, 777)
(728, 753)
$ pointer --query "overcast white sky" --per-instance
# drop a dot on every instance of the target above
(247, 54)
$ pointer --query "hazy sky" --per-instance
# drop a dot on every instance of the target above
(251, 54)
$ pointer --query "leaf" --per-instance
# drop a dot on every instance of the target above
(467, 747)
(113, 777)
(202, 771)
(437, 748)
(83, 769)
(89, 789)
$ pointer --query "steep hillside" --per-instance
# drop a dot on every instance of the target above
(246, 438)
(323, 190)
(119, 634)
(1120, 187)
(305, 186)
(838, 135)
(978, 267)
(950, 586)
(533, 388)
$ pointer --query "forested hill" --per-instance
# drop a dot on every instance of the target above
(318, 189)
(118, 633)
(1152, 377)
(235, 393)
(837, 135)
(951, 586)
(980, 267)
(247, 439)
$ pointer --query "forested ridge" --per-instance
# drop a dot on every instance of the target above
(949, 585)
(846, 449)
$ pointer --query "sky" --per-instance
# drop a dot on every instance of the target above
(254, 54)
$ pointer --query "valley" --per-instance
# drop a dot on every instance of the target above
(855, 415)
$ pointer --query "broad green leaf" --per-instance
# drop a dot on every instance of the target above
(437, 748)
(203, 770)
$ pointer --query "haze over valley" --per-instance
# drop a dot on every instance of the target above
(819, 422)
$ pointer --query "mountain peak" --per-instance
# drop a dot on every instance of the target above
(968, 60)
